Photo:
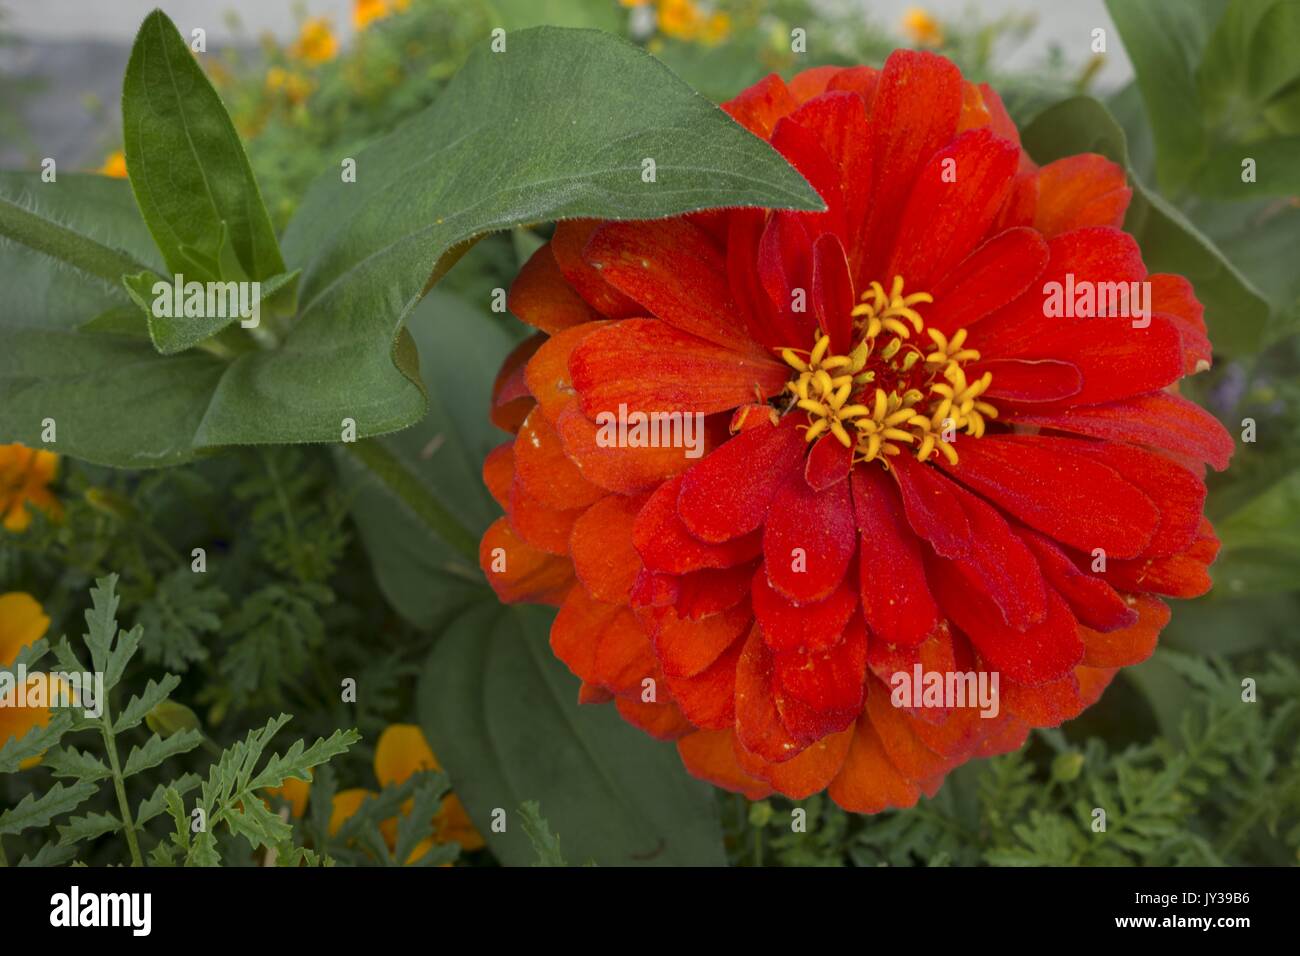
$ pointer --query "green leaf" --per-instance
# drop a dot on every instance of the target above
(155, 803)
(114, 400)
(556, 127)
(157, 749)
(155, 692)
(76, 764)
(87, 827)
(417, 496)
(1260, 552)
(38, 811)
(502, 715)
(545, 843)
(14, 752)
(1164, 39)
(188, 168)
(1235, 312)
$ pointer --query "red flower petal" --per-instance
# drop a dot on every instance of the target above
(932, 507)
(828, 679)
(709, 755)
(832, 292)
(542, 297)
(665, 544)
(661, 721)
(544, 528)
(711, 591)
(1001, 566)
(809, 772)
(547, 372)
(675, 271)
(1092, 600)
(896, 597)
(604, 558)
(917, 104)
(897, 732)
(499, 472)
(787, 626)
(989, 278)
(1051, 487)
(627, 471)
(761, 105)
(869, 782)
(1160, 420)
(545, 472)
(708, 699)
(728, 493)
(519, 572)
(511, 401)
(952, 205)
(567, 244)
(758, 723)
(1129, 645)
(1028, 380)
(1082, 190)
(808, 539)
(673, 371)
(685, 647)
(1039, 654)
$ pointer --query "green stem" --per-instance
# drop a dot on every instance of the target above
(119, 785)
(390, 470)
(4, 860)
(62, 243)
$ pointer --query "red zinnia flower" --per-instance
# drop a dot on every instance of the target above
(907, 462)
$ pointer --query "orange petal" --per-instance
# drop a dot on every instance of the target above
(518, 571)
(543, 298)
(711, 756)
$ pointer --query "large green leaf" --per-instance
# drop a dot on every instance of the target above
(191, 177)
(558, 126)
(113, 399)
(417, 496)
(67, 244)
(502, 715)
(1221, 84)
(1261, 550)
(1234, 310)
(1164, 39)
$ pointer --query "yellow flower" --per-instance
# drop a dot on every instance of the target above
(294, 86)
(679, 18)
(295, 792)
(716, 29)
(114, 165)
(25, 474)
(922, 27)
(316, 42)
(633, 3)
(22, 622)
(365, 12)
(402, 751)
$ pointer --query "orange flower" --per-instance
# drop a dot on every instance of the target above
(114, 165)
(923, 29)
(25, 475)
(401, 752)
(295, 86)
(295, 792)
(908, 459)
(316, 42)
(365, 12)
(23, 622)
